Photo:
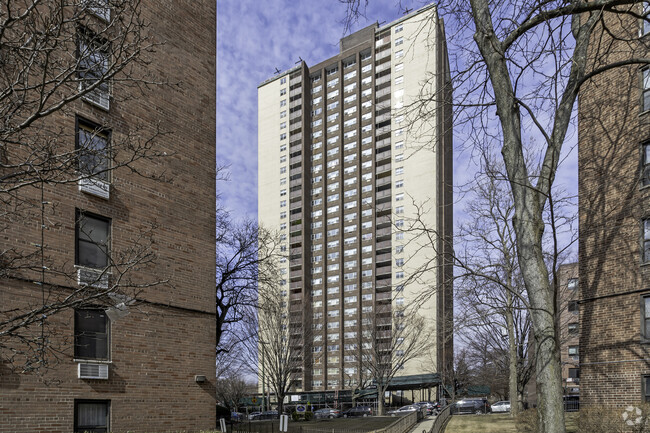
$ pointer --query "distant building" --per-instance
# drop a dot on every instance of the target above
(614, 210)
(569, 327)
(569, 334)
(342, 163)
(153, 369)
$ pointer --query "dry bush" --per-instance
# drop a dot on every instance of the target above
(526, 421)
(601, 420)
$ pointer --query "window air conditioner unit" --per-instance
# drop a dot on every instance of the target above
(569, 379)
(98, 96)
(92, 371)
(92, 278)
(95, 187)
(99, 8)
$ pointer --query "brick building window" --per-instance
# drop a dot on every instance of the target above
(645, 164)
(645, 385)
(572, 283)
(93, 54)
(91, 334)
(92, 143)
(645, 78)
(92, 240)
(573, 352)
(646, 240)
(573, 328)
(574, 374)
(645, 317)
(573, 307)
(645, 23)
(91, 415)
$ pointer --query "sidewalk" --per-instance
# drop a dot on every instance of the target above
(424, 426)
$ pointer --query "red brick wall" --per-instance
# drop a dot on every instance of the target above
(163, 343)
(612, 204)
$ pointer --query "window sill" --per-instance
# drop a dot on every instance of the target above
(95, 187)
(91, 361)
(97, 278)
(105, 105)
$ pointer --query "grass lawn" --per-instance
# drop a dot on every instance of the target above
(496, 423)
(571, 422)
(349, 425)
(490, 423)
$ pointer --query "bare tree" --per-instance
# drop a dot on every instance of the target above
(247, 256)
(517, 82)
(232, 387)
(395, 338)
(491, 289)
(274, 355)
(54, 54)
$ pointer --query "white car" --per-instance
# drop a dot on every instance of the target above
(501, 406)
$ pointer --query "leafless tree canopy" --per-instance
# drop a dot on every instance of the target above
(275, 354)
(247, 258)
(52, 55)
(394, 339)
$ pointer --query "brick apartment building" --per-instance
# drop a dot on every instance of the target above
(569, 324)
(153, 369)
(614, 211)
(342, 167)
(569, 327)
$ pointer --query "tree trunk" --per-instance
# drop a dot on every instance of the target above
(381, 392)
(549, 381)
(528, 225)
(520, 400)
(512, 352)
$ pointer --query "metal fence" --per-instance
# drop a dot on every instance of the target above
(441, 420)
(402, 424)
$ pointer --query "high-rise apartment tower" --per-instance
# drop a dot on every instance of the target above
(346, 166)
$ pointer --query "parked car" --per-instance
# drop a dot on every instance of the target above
(358, 411)
(236, 416)
(500, 406)
(430, 408)
(252, 415)
(404, 410)
(327, 412)
(269, 414)
(471, 405)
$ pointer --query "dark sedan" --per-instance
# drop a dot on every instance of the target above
(269, 414)
(358, 411)
(477, 406)
(327, 413)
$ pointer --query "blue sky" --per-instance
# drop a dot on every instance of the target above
(254, 38)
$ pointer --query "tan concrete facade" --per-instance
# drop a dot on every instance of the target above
(359, 171)
(168, 337)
